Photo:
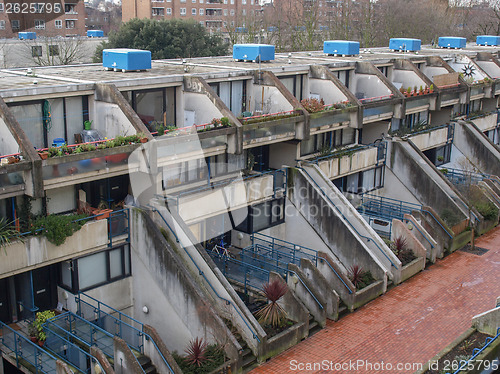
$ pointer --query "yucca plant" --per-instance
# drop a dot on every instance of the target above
(196, 352)
(7, 233)
(273, 313)
(355, 274)
(398, 245)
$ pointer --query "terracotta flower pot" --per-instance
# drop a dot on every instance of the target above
(44, 155)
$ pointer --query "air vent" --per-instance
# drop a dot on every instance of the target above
(123, 59)
(341, 47)
(451, 42)
(405, 44)
(253, 52)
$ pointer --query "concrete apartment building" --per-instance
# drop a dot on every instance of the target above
(244, 187)
(215, 15)
(46, 19)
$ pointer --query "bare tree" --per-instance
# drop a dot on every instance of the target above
(56, 50)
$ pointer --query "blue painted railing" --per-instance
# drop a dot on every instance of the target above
(134, 336)
(227, 301)
(476, 352)
(337, 274)
(345, 218)
(26, 351)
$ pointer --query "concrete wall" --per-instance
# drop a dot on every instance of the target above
(203, 107)
(37, 251)
(374, 131)
(424, 237)
(439, 117)
(408, 78)
(109, 120)
(395, 189)
(487, 322)
(423, 181)
(61, 200)
(274, 101)
(339, 237)
(399, 229)
(431, 71)
(431, 139)
(166, 287)
(370, 85)
(327, 91)
(360, 160)
(486, 123)
(8, 144)
(477, 148)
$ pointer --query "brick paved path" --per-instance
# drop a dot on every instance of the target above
(411, 323)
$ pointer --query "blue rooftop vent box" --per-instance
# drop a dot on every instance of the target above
(95, 33)
(488, 40)
(341, 47)
(26, 35)
(126, 59)
(451, 42)
(253, 52)
(405, 44)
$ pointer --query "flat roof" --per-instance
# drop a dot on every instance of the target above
(165, 72)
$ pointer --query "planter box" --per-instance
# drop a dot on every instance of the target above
(412, 268)
(284, 340)
(361, 297)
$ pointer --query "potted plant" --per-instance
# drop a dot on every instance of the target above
(431, 88)
(402, 90)
(408, 91)
(33, 332)
(426, 89)
(40, 319)
(421, 90)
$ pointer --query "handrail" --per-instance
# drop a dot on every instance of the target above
(140, 332)
(424, 131)
(67, 341)
(282, 269)
(38, 350)
(382, 198)
(288, 112)
(292, 257)
(476, 352)
(229, 302)
(420, 231)
(344, 217)
(292, 245)
(439, 223)
(337, 274)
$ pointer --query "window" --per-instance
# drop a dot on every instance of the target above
(232, 2)
(201, 1)
(158, 1)
(225, 1)
(362, 182)
(70, 23)
(15, 24)
(225, 12)
(193, 1)
(2, 25)
(39, 24)
(169, 11)
(244, 12)
(95, 270)
(58, 24)
(202, 11)
(260, 216)
(193, 11)
(36, 51)
(70, 8)
(53, 50)
(1, 9)
(232, 13)
(183, 11)
(244, 2)
(327, 140)
(158, 11)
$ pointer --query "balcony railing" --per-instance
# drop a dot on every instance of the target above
(373, 99)
(12, 169)
(271, 126)
(378, 111)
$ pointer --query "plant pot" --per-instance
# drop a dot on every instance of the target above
(144, 140)
(102, 213)
(44, 155)
(34, 339)
(41, 343)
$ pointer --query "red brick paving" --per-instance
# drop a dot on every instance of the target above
(410, 324)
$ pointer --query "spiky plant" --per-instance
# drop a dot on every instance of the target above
(273, 313)
(7, 233)
(355, 274)
(196, 352)
(399, 244)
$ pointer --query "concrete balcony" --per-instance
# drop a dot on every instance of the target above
(330, 119)
(431, 138)
(351, 160)
(14, 178)
(208, 201)
(37, 251)
(486, 121)
(378, 113)
(271, 128)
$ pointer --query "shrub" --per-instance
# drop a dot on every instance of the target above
(57, 228)
(196, 352)
(273, 313)
(360, 278)
(488, 210)
(313, 105)
(214, 358)
(449, 217)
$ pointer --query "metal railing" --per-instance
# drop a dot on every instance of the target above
(381, 153)
(336, 273)
(123, 326)
(368, 239)
(26, 352)
(476, 352)
(227, 301)
(270, 116)
(388, 204)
